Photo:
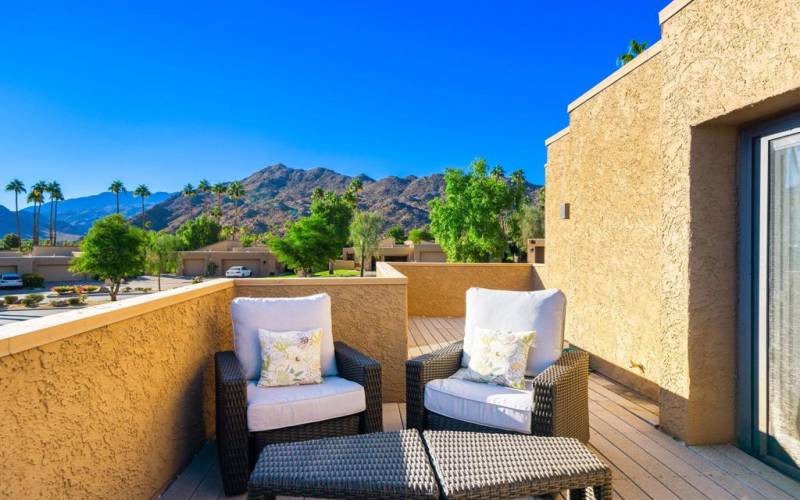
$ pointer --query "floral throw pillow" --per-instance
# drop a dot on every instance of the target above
(290, 358)
(499, 357)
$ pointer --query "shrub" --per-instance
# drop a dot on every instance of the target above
(89, 289)
(127, 289)
(197, 279)
(11, 299)
(32, 280)
(32, 299)
(147, 289)
(59, 303)
(76, 301)
(11, 240)
(63, 290)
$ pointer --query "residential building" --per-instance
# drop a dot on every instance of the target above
(391, 251)
(215, 259)
(50, 262)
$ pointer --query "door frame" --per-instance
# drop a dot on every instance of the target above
(751, 355)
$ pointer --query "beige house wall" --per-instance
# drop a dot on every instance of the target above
(436, 289)
(650, 161)
(260, 261)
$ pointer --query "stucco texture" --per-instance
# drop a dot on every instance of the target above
(440, 289)
(370, 317)
(649, 167)
(604, 256)
(115, 411)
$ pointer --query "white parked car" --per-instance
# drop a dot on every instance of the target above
(10, 280)
(238, 272)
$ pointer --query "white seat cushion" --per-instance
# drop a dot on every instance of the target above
(277, 315)
(479, 403)
(541, 311)
(279, 407)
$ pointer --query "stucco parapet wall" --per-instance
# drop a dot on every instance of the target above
(639, 60)
(354, 281)
(672, 9)
(558, 135)
(41, 331)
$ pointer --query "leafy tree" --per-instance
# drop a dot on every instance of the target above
(142, 191)
(398, 233)
(111, 250)
(307, 246)
(199, 232)
(420, 234)
(250, 239)
(365, 233)
(12, 240)
(117, 187)
(337, 210)
(204, 187)
(533, 221)
(237, 192)
(17, 187)
(474, 218)
(36, 196)
(161, 250)
(634, 49)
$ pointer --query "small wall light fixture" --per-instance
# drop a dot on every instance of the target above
(564, 208)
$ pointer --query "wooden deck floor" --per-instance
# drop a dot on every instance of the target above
(646, 462)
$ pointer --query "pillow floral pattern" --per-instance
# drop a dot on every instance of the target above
(499, 357)
(290, 358)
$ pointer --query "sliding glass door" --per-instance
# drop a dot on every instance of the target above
(769, 316)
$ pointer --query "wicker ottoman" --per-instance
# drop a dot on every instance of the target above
(378, 465)
(479, 465)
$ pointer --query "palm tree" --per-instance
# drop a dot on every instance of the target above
(204, 187)
(17, 187)
(117, 187)
(142, 192)
(219, 189)
(356, 186)
(236, 191)
(634, 49)
(36, 196)
(189, 191)
(56, 197)
(53, 189)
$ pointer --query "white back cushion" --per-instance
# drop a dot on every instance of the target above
(542, 311)
(280, 314)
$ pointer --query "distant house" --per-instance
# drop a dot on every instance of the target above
(409, 251)
(51, 262)
(214, 260)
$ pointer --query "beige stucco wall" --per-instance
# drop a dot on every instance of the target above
(115, 411)
(604, 256)
(439, 289)
(367, 315)
(649, 167)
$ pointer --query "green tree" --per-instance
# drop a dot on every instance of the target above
(398, 233)
(36, 196)
(117, 187)
(634, 49)
(365, 233)
(219, 189)
(420, 234)
(237, 192)
(533, 221)
(111, 250)
(307, 246)
(142, 191)
(190, 192)
(337, 210)
(12, 240)
(199, 232)
(17, 187)
(472, 220)
(161, 250)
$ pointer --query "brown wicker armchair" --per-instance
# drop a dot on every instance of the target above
(238, 448)
(560, 393)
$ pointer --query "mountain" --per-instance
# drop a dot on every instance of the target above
(76, 215)
(278, 194)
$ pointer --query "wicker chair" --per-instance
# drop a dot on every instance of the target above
(560, 390)
(240, 439)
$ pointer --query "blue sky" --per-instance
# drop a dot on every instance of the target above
(168, 93)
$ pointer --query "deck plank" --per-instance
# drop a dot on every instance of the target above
(187, 482)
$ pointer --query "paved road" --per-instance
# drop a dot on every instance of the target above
(17, 315)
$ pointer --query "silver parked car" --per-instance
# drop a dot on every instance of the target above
(10, 280)
(238, 272)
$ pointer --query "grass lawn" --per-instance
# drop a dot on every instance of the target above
(339, 273)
